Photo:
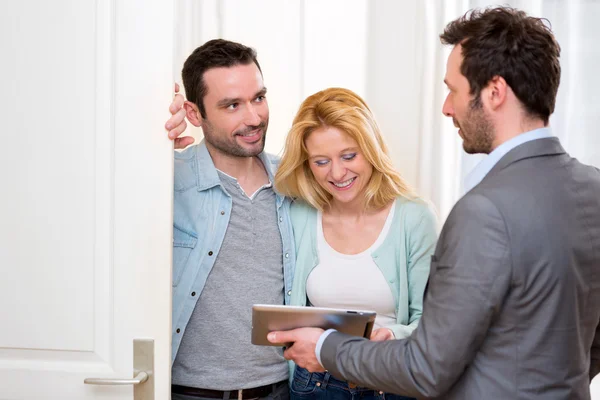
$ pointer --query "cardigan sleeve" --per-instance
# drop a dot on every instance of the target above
(421, 236)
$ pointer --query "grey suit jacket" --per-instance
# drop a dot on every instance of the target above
(512, 307)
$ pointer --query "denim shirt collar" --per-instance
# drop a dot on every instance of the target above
(207, 176)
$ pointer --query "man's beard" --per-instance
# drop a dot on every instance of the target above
(477, 130)
(219, 141)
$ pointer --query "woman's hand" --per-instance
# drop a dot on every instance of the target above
(381, 334)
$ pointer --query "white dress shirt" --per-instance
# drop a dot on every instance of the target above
(486, 165)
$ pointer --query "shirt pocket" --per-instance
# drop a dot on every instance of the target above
(183, 244)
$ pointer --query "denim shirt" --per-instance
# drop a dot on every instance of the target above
(201, 214)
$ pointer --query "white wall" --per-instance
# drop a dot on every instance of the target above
(393, 79)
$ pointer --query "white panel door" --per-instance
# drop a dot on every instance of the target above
(86, 204)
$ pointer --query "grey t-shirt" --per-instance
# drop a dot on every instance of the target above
(215, 351)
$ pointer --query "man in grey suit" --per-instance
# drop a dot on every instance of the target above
(512, 307)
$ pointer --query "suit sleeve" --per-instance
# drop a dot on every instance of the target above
(595, 351)
(469, 279)
(595, 355)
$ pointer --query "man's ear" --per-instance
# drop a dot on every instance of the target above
(192, 113)
(495, 92)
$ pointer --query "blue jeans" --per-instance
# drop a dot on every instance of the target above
(323, 386)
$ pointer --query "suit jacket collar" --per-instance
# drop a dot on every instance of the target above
(535, 148)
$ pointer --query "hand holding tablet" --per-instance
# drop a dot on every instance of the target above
(267, 318)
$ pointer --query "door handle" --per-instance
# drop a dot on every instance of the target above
(141, 377)
(143, 369)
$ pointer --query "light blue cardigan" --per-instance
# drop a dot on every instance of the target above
(403, 257)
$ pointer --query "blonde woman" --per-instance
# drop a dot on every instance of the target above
(363, 238)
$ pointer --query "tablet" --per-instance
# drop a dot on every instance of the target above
(267, 318)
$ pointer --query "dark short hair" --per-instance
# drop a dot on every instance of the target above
(212, 54)
(506, 42)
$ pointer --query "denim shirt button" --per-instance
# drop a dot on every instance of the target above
(222, 212)
(280, 219)
(289, 292)
(287, 255)
(210, 253)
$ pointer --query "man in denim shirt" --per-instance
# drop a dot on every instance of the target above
(232, 237)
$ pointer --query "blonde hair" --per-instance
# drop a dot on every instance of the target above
(345, 110)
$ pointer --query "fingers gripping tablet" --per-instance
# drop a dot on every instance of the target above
(267, 318)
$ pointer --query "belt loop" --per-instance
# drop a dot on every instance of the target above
(240, 394)
(226, 395)
(325, 380)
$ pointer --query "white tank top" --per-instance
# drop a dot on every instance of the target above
(351, 281)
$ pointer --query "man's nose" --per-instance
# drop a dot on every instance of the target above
(252, 117)
(447, 108)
